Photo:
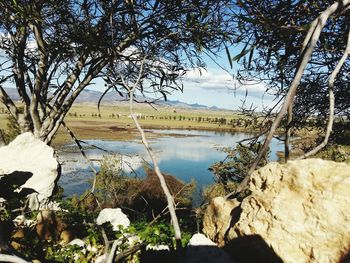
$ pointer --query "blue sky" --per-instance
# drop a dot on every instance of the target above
(215, 87)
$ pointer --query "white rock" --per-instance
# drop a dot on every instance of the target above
(21, 221)
(28, 154)
(77, 242)
(133, 239)
(115, 216)
(101, 259)
(202, 249)
(157, 247)
(200, 240)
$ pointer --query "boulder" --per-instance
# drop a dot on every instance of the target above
(29, 155)
(295, 212)
(115, 216)
(217, 219)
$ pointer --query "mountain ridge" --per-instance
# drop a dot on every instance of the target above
(93, 96)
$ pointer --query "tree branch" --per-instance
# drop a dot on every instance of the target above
(170, 199)
(11, 258)
(331, 102)
(39, 78)
(7, 101)
(288, 132)
(312, 37)
(309, 45)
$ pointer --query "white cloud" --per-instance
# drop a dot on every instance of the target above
(221, 81)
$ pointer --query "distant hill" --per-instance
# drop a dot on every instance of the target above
(92, 96)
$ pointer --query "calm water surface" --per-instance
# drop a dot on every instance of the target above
(186, 154)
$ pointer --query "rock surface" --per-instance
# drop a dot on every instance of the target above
(27, 154)
(296, 212)
(113, 215)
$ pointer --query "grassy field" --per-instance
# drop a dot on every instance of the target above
(114, 122)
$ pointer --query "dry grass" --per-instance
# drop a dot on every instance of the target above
(150, 196)
(114, 123)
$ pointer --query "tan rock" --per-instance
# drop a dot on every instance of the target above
(66, 236)
(297, 212)
(15, 245)
(16, 238)
(18, 234)
(217, 219)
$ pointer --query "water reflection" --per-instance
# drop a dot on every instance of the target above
(186, 154)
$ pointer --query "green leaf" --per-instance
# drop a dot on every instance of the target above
(242, 54)
(228, 56)
(250, 57)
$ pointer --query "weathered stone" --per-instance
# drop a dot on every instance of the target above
(66, 236)
(27, 154)
(296, 212)
(217, 219)
(115, 216)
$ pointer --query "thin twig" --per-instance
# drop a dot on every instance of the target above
(331, 102)
(170, 199)
(163, 212)
(11, 258)
(306, 55)
(288, 132)
(83, 154)
(309, 45)
(127, 252)
(112, 253)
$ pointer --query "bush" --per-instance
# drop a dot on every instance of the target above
(12, 130)
(236, 165)
(145, 196)
(151, 199)
(218, 189)
(113, 187)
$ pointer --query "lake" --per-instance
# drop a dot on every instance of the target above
(186, 154)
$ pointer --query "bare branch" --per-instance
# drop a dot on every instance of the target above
(112, 253)
(306, 55)
(11, 258)
(7, 101)
(83, 154)
(58, 114)
(39, 78)
(288, 132)
(331, 101)
(170, 199)
(127, 252)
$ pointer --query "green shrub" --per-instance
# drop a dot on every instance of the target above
(236, 165)
(218, 189)
(113, 187)
(12, 130)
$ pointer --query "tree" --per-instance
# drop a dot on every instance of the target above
(52, 50)
(301, 56)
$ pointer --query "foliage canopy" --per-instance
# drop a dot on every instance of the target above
(52, 50)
